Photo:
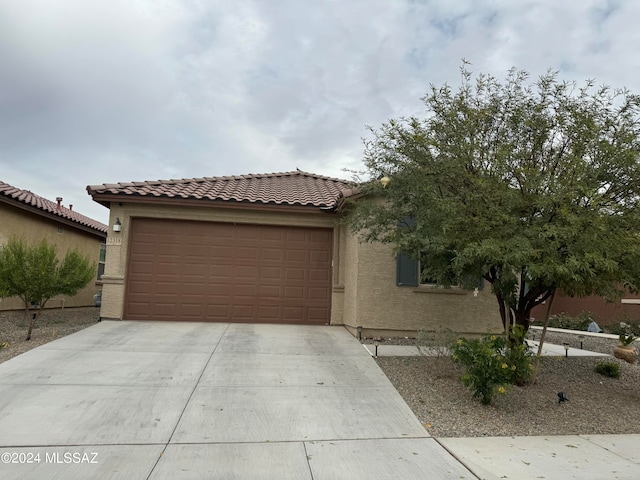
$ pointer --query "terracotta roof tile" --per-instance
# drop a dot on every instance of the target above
(285, 188)
(40, 203)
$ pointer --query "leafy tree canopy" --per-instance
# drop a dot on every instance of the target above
(35, 274)
(533, 185)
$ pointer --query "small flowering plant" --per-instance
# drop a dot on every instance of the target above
(626, 340)
(493, 363)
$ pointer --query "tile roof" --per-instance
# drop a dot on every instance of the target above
(285, 188)
(31, 200)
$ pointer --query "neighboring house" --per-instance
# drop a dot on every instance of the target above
(624, 309)
(32, 218)
(264, 248)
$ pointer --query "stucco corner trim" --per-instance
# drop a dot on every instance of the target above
(112, 280)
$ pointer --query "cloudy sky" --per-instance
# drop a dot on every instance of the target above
(100, 91)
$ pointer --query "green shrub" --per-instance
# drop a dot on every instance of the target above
(493, 363)
(608, 369)
(567, 322)
(623, 328)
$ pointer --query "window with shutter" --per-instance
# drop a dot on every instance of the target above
(407, 270)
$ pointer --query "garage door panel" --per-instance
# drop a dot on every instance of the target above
(244, 272)
(221, 271)
(243, 311)
(296, 293)
(317, 314)
(294, 274)
(274, 234)
(319, 274)
(218, 312)
(296, 255)
(245, 291)
(247, 253)
(315, 293)
(269, 291)
(321, 257)
(269, 313)
(219, 292)
(270, 254)
(271, 273)
(142, 267)
(293, 314)
(142, 286)
(206, 271)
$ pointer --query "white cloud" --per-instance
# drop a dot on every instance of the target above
(143, 89)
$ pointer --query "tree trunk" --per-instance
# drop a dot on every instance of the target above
(542, 337)
(522, 317)
(32, 318)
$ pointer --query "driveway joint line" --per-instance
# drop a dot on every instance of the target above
(307, 458)
(187, 402)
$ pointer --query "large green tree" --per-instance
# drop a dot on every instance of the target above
(35, 274)
(532, 185)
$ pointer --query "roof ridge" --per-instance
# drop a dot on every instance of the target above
(247, 176)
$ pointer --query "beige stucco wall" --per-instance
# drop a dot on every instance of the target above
(364, 290)
(33, 228)
(117, 250)
(374, 301)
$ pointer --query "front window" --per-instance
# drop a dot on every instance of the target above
(101, 261)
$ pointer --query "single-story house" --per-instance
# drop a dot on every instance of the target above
(265, 248)
(32, 218)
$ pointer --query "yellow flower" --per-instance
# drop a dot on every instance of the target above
(504, 365)
(513, 367)
(459, 341)
(493, 337)
(502, 390)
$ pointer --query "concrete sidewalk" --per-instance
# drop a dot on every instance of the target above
(548, 350)
(143, 400)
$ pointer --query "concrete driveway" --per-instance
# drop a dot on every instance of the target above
(142, 400)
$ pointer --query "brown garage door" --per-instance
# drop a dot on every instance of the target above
(224, 272)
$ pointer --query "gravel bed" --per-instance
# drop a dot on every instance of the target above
(597, 404)
(52, 324)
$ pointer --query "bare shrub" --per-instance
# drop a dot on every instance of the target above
(438, 344)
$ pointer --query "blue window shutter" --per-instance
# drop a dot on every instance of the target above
(406, 271)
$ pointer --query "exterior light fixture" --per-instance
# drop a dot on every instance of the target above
(384, 181)
(117, 227)
(376, 343)
(581, 337)
(566, 349)
(359, 330)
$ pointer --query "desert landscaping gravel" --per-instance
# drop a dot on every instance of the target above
(431, 386)
(597, 404)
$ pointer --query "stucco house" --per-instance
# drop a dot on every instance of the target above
(32, 218)
(265, 248)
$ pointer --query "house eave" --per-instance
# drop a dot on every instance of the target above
(52, 216)
(107, 199)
